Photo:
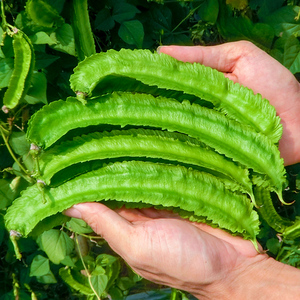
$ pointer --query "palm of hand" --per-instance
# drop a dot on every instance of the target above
(160, 246)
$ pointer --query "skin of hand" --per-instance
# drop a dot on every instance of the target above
(204, 261)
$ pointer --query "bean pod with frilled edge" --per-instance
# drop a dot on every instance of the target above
(23, 68)
(287, 228)
(141, 182)
(226, 136)
(166, 72)
(143, 143)
(267, 210)
(84, 40)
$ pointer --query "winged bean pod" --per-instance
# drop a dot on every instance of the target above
(266, 209)
(142, 143)
(23, 67)
(166, 72)
(226, 136)
(141, 182)
(85, 45)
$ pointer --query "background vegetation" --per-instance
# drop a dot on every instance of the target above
(70, 262)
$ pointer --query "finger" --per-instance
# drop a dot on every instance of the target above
(105, 222)
(221, 57)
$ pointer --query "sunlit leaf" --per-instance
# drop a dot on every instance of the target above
(40, 266)
(99, 283)
(43, 14)
(64, 39)
(19, 143)
(79, 226)
(57, 245)
(41, 38)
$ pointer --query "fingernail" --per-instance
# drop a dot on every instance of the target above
(158, 49)
(73, 212)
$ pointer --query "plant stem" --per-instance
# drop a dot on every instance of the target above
(85, 268)
(3, 17)
(10, 150)
(188, 15)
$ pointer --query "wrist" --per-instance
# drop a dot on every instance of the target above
(258, 277)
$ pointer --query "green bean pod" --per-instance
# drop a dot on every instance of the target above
(143, 143)
(292, 232)
(85, 45)
(163, 71)
(23, 68)
(226, 136)
(171, 186)
(267, 210)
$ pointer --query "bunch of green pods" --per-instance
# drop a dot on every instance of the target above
(148, 130)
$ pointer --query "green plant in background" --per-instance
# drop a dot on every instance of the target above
(81, 265)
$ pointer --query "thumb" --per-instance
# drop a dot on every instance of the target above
(221, 57)
(105, 222)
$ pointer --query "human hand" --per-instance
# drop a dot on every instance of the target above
(167, 250)
(207, 262)
(204, 261)
(250, 66)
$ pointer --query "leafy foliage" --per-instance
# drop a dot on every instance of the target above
(81, 265)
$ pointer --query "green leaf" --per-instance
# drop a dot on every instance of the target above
(124, 11)
(287, 51)
(237, 28)
(64, 39)
(6, 69)
(291, 55)
(266, 7)
(125, 283)
(209, 11)
(37, 93)
(67, 261)
(284, 21)
(57, 245)
(41, 38)
(40, 266)
(99, 283)
(47, 279)
(273, 245)
(19, 143)
(79, 226)
(43, 14)
(104, 20)
(132, 32)
(98, 270)
(112, 267)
